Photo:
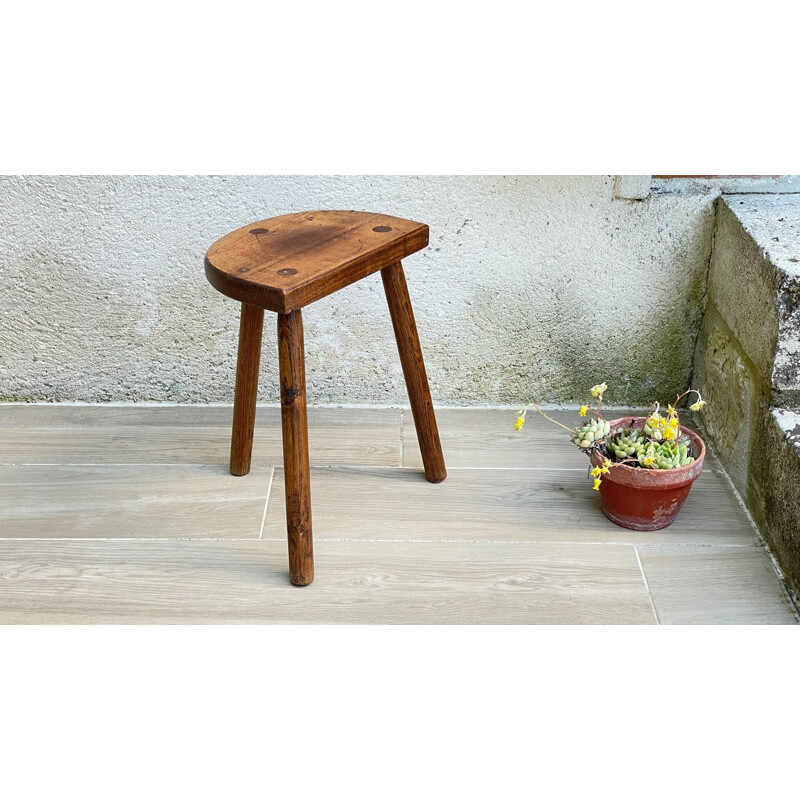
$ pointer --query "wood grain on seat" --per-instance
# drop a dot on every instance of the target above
(287, 262)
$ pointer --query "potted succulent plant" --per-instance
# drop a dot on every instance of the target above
(643, 467)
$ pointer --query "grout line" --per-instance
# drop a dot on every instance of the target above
(119, 464)
(702, 548)
(127, 539)
(266, 503)
(335, 466)
(505, 469)
(560, 542)
(402, 438)
(646, 584)
(319, 465)
(276, 404)
(147, 404)
(419, 468)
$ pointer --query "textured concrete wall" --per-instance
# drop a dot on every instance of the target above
(748, 362)
(774, 488)
(532, 288)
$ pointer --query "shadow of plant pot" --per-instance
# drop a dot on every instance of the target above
(647, 499)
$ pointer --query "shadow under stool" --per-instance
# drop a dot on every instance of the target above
(282, 264)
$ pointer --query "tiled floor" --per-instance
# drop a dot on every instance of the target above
(127, 514)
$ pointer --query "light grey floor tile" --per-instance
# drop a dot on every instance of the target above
(131, 501)
(60, 416)
(494, 505)
(55, 434)
(736, 586)
(356, 583)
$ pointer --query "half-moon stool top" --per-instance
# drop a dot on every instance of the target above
(290, 261)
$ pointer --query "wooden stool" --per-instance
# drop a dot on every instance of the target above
(285, 263)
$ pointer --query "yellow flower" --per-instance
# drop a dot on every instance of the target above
(653, 422)
(670, 410)
(596, 483)
(605, 468)
(597, 391)
(698, 405)
(596, 471)
(669, 433)
(673, 423)
(647, 461)
(519, 424)
(662, 423)
(583, 411)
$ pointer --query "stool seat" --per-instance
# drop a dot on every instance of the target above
(287, 262)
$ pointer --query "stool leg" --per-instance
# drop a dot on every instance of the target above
(244, 404)
(295, 447)
(405, 331)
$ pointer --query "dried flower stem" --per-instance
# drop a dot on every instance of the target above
(533, 405)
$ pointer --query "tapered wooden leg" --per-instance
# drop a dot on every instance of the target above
(244, 404)
(295, 447)
(405, 331)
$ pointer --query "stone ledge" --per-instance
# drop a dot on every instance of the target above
(772, 223)
(731, 184)
(747, 363)
(774, 488)
(789, 423)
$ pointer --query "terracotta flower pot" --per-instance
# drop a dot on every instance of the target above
(647, 499)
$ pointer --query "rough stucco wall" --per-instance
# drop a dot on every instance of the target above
(531, 288)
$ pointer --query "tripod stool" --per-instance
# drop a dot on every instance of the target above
(282, 264)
